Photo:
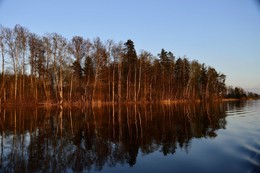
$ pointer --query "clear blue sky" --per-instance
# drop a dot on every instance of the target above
(224, 34)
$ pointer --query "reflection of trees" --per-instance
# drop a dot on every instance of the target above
(237, 105)
(50, 140)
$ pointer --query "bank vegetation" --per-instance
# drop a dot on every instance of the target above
(51, 69)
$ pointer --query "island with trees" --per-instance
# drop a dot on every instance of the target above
(51, 69)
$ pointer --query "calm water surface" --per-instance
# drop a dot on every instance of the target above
(152, 138)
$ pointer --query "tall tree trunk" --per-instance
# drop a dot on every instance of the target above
(71, 88)
(35, 89)
(207, 91)
(119, 82)
(23, 74)
(45, 90)
(139, 80)
(35, 83)
(135, 85)
(109, 86)
(187, 95)
(150, 91)
(60, 86)
(3, 73)
(113, 86)
(127, 85)
(15, 82)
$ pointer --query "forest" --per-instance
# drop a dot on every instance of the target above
(52, 69)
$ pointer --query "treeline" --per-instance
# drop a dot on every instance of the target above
(240, 93)
(53, 69)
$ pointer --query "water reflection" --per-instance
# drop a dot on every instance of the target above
(60, 140)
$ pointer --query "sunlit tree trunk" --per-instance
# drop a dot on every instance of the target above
(48, 55)
(145, 87)
(71, 88)
(32, 61)
(117, 53)
(109, 84)
(135, 87)
(100, 58)
(59, 58)
(113, 85)
(111, 67)
(128, 84)
(2, 49)
(54, 74)
(119, 82)
(21, 47)
(139, 80)
(150, 91)
(24, 49)
(60, 86)
(15, 68)
(95, 82)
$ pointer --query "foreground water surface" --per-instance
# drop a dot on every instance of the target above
(219, 137)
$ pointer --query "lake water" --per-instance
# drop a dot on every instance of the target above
(150, 138)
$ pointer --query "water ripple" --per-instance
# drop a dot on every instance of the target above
(242, 136)
(252, 148)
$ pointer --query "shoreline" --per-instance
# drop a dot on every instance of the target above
(100, 103)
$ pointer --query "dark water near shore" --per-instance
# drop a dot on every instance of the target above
(151, 138)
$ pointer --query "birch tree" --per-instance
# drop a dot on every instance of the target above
(99, 60)
(21, 35)
(13, 53)
(32, 41)
(117, 53)
(2, 49)
(60, 47)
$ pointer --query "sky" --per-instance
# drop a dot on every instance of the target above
(224, 34)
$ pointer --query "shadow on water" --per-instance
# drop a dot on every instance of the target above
(59, 140)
